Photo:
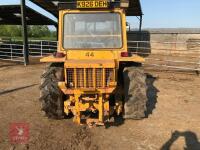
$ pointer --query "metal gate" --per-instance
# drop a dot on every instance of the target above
(13, 51)
(168, 55)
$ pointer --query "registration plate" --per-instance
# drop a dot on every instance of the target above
(92, 4)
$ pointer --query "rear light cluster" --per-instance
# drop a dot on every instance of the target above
(58, 55)
(126, 54)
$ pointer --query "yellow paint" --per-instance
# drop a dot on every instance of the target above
(112, 54)
(89, 64)
(100, 58)
(66, 107)
(101, 108)
(77, 117)
(49, 59)
(134, 58)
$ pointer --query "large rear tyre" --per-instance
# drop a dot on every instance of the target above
(51, 96)
(135, 93)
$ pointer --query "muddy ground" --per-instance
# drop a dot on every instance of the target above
(173, 115)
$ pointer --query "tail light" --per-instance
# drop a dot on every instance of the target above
(125, 54)
(58, 55)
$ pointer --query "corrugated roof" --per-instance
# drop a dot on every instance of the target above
(51, 6)
(135, 8)
(11, 15)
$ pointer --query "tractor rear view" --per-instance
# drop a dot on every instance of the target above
(93, 76)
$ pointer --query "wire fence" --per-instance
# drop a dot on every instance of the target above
(169, 55)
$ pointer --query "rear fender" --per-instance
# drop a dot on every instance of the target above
(52, 59)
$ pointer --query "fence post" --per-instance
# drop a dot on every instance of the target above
(11, 52)
(198, 72)
(41, 49)
(24, 32)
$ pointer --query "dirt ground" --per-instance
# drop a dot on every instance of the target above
(173, 120)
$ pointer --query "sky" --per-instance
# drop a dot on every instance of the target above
(157, 13)
(170, 13)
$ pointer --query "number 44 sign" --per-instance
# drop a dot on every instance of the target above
(89, 54)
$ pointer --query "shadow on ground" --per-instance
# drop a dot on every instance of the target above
(16, 89)
(9, 64)
(191, 140)
(152, 92)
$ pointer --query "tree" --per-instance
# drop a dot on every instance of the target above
(38, 31)
(10, 31)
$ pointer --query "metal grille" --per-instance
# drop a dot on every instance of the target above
(70, 78)
(89, 77)
(109, 76)
(80, 77)
(99, 77)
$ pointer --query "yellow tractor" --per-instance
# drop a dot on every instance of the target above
(93, 76)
